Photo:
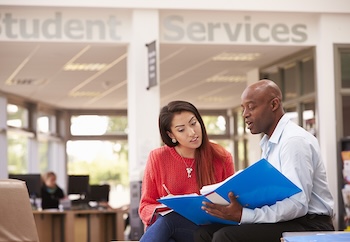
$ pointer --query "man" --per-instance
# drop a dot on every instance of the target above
(296, 154)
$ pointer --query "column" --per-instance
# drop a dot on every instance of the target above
(33, 142)
(59, 150)
(3, 138)
(143, 107)
(326, 108)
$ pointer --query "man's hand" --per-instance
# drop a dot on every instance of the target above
(233, 211)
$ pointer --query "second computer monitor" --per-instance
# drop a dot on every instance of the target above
(79, 185)
(99, 193)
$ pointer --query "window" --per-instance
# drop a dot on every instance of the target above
(240, 127)
(296, 79)
(274, 74)
(345, 70)
(44, 156)
(217, 124)
(309, 117)
(241, 163)
(346, 115)
(307, 76)
(18, 138)
(98, 125)
(345, 89)
(47, 123)
(292, 113)
(106, 162)
(48, 139)
(290, 81)
(17, 116)
(98, 147)
(18, 145)
(240, 140)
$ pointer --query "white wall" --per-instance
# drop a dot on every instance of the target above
(3, 138)
(312, 6)
(333, 29)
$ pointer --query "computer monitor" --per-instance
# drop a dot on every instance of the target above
(99, 193)
(33, 182)
(79, 185)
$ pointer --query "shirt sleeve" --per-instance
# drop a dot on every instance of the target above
(60, 194)
(296, 163)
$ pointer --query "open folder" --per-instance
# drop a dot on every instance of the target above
(258, 185)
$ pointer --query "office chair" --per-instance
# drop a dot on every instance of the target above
(17, 222)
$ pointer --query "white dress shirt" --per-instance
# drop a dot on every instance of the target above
(296, 154)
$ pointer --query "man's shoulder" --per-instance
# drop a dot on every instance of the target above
(300, 136)
(294, 129)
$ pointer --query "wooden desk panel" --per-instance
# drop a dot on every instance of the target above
(50, 226)
(80, 225)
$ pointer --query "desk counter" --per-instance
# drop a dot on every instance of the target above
(80, 225)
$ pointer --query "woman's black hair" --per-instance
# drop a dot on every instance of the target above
(166, 117)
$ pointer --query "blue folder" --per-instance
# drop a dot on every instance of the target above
(258, 185)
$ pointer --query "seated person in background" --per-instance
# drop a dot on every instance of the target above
(51, 193)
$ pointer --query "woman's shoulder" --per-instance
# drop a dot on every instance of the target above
(161, 152)
(164, 149)
(161, 155)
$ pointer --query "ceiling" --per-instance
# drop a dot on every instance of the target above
(37, 72)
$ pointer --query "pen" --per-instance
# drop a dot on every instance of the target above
(166, 189)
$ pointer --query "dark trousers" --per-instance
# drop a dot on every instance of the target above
(269, 232)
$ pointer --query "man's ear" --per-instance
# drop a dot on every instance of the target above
(275, 103)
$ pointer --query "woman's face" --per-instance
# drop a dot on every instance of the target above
(186, 129)
(50, 181)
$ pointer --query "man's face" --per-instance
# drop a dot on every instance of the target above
(257, 112)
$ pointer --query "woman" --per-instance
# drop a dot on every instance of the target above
(187, 162)
(51, 193)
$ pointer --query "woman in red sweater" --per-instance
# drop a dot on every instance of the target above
(186, 162)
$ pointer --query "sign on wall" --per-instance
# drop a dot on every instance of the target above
(152, 64)
(238, 28)
(66, 25)
(114, 26)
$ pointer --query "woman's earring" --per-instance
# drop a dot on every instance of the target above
(173, 140)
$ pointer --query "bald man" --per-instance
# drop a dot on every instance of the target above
(296, 154)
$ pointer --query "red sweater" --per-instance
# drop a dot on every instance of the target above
(166, 166)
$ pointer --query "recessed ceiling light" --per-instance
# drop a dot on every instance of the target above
(216, 99)
(230, 79)
(84, 66)
(84, 94)
(26, 82)
(227, 56)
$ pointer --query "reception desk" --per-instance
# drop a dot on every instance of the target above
(80, 225)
